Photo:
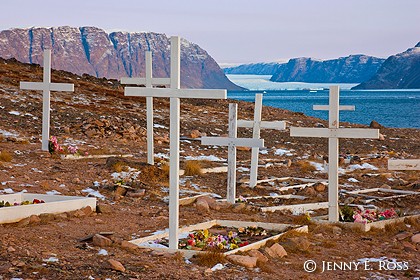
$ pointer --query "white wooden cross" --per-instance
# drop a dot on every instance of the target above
(333, 133)
(148, 81)
(46, 86)
(174, 93)
(404, 164)
(232, 142)
(256, 126)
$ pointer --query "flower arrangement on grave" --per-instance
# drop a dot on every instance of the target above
(55, 148)
(233, 239)
(366, 216)
(26, 202)
(241, 199)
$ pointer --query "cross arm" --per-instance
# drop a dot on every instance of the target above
(340, 108)
(334, 132)
(142, 81)
(51, 86)
(176, 93)
(236, 142)
(279, 125)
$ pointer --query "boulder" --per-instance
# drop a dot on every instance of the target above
(202, 205)
(101, 241)
(257, 254)
(245, 261)
(116, 265)
(276, 251)
(375, 124)
(415, 238)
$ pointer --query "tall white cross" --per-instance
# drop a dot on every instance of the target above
(148, 81)
(256, 126)
(46, 86)
(232, 142)
(333, 133)
(174, 93)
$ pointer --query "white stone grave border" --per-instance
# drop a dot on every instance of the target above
(404, 164)
(54, 204)
(364, 227)
(225, 223)
(399, 193)
(76, 157)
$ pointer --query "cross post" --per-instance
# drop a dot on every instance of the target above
(333, 133)
(232, 142)
(46, 86)
(257, 124)
(148, 81)
(174, 93)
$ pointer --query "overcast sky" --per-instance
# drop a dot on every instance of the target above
(241, 31)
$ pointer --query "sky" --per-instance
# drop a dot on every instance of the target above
(242, 31)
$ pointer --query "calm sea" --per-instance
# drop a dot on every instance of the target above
(391, 108)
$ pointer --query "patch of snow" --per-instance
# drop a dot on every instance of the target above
(53, 192)
(353, 180)
(264, 152)
(218, 266)
(152, 244)
(36, 170)
(318, 166)
(16, 113)
(51, 260)
(103, 252)
(363, 166)
(161, 155)
(8, 133)
(156, 125)
(209, 158)
(8, 191)
(94, 193)
(282, 152)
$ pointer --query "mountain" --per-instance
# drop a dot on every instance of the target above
(92, 51)
(350, 69)
(254, 68)
(400, 71)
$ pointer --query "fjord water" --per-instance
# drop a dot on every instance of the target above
(391, 108)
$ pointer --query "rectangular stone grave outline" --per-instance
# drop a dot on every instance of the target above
(226, 223)
(364, 227)
(54, 204)
(361, 193)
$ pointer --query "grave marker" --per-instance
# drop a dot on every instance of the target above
(232, 142)
(404, 164)
(257, 124)
(333, 133)
(174, 93)
(46, 86)
(148, 81)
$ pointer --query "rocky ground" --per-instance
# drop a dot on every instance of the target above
(101, 121)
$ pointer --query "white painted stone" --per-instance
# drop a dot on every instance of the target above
(232, 142)
(46, 86)
(333, 133)
(174, 93)
(54, 204)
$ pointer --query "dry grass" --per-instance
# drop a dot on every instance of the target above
(5, 156)
(165, 170)
(414, 222)
(120, 166)
(210, 258)
(193, 168)
(99, 152)
(306, 166)
(302, 220)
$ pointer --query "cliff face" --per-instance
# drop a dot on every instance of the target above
(350, 69)
(255, 68)
(400, 71)
(92, 51)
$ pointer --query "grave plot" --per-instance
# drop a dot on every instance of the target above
(378, 194)
(367, 219)
(230, 237)
(24, 205)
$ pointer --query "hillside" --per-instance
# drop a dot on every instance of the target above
(350, 69)
(400, 71)
(132, 196)
(92, 51)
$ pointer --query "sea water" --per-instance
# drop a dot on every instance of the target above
(391, 108)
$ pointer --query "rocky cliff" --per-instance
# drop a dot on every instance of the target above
(92, 51)
(255, 68)
(399, 71)
(350, 69)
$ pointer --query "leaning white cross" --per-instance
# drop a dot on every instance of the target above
(404, 164)
(232, 142)
(174, 93)
(148, 81)
(333, 133)
(46, 86)
(257, 124)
